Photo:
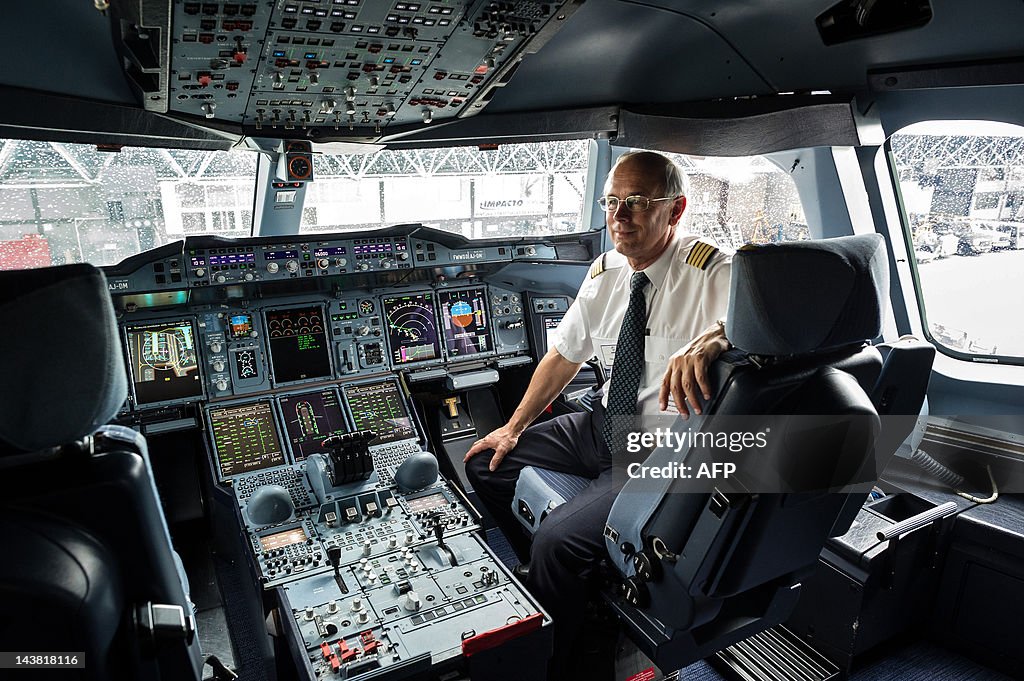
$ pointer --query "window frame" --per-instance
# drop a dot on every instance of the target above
(905, 234)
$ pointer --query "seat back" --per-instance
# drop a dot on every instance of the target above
(706, 564)
(93, 568)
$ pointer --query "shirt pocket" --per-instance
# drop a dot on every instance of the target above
(604, 349)
(657, 350)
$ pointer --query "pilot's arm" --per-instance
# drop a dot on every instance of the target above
(553, 373)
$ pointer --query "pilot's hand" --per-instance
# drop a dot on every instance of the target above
(502, 440)
(688, 370)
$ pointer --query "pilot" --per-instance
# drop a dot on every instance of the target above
(649, 309)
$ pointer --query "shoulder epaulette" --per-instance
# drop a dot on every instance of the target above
(598, 266)
(701, 254)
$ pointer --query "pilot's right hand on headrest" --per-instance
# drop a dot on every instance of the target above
(687, 376)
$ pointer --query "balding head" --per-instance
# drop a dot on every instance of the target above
(655, 165)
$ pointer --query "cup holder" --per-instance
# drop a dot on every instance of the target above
(899, 507)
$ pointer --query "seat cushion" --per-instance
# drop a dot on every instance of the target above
(539, 490)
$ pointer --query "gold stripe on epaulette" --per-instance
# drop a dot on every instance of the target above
(700, 255)
(598, 266)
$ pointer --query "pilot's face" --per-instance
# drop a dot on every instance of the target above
(641, 236)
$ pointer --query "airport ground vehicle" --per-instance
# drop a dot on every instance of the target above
(822, 95)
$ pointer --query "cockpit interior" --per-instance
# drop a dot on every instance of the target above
(272, 268)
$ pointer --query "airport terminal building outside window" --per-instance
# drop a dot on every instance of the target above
(962, 188)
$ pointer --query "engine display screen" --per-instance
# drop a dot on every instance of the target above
(277, 540)
(379, 407)
(298, 344)
(163, 362)
(412, 328)
(464, 321)
(311, 418)
(246, 438)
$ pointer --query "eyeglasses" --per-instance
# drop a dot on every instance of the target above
(635, 203)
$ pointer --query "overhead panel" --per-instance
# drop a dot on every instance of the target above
(349, 68)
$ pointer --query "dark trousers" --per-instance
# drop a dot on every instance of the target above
(570, 540)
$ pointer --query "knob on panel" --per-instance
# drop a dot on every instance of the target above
(273, 267)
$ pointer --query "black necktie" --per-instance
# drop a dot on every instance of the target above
(627, 368)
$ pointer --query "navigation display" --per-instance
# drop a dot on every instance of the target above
(412, 329)
(298, 344)
(245, 438)
(311, 418)
(464, 321)
(379, 407)
(163, 362)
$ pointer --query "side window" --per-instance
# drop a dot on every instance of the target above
(962, 190)
(741, 200)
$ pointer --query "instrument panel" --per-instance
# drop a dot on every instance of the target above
(278, 346)
(347, 68)
(218, 319)
(257, 346)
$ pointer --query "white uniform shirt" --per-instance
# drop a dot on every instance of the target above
(682, 301)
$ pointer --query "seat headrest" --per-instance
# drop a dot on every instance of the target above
(62, 374)
(800, 297)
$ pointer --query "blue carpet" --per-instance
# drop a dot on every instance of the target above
(700, 671)
(502, 549)
(925, 661)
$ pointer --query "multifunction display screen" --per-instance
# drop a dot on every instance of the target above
(310, 419)
(379, 407)
(412, 328)
(464, 321)
(281, 539)
(426, 504)
(298, 344)
(245, 438)
(163, 362)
